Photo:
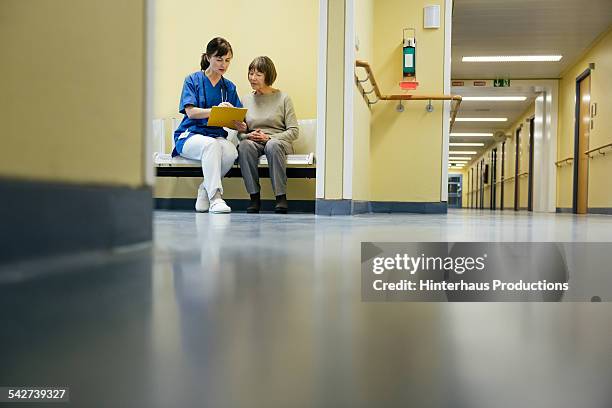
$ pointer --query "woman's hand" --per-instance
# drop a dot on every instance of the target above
(258, 136)
(240, 126)
(226, 105)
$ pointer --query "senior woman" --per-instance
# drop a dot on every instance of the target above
(270, 129)
(194, 139)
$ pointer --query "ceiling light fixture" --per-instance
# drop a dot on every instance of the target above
(465, 144)
(464, 152)
(471, 134)
(495, 98)
(514, 58)
(481, 119)
(462, 158)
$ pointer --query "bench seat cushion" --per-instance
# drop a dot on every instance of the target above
(166, 160)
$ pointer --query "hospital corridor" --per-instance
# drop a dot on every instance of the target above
(309, 203)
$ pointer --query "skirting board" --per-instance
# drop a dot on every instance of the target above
(237, 205)
(593, 210)
(46, 219)
(353, 207)
(320, 207)
(600, 210)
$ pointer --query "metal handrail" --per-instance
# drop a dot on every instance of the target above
(403, 97)
(564, 161)
(598, 150)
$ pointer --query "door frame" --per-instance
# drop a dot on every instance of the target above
(531, 167)
(482, 183)
(517, 152)
(493, 179)
(584, 75)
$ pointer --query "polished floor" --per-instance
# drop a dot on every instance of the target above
(265, 311)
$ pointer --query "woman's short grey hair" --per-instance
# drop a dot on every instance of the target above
(266, 67)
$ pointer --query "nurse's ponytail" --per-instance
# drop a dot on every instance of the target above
(217, 47)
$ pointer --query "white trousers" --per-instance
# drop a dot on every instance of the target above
(217, 155)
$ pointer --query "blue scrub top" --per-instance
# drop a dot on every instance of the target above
(199, 92)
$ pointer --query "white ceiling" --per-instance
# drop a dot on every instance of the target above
(524, 27)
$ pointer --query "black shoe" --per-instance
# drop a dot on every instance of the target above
(281, 204)
(255, 204)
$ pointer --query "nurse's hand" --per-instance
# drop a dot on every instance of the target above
(226, 105)
(240, 126)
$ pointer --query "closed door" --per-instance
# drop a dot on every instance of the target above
(482, 183)
(454, 191)
(517, 166)
(583, 118)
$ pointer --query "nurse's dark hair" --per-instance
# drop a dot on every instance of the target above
(266, 67)
(218, 47)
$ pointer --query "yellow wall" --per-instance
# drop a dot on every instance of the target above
(182, 30)
(72, 106)
(406, 148)
(565, 141)
(186, 187)
(364, 28)
(600, 167)
(286, 31)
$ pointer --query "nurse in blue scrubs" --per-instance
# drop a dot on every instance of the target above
(194, 139)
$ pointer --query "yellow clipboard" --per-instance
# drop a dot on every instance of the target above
(224, 116)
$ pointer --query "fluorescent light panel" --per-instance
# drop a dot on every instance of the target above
(465, 144)
(471, 134)
(495, 98)
(481, 119)
(462, 152)
(462, 158)
(513, 58)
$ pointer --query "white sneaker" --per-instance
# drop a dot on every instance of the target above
(218, 206)
(202, 202)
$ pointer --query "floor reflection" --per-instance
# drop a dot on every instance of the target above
(266, 311)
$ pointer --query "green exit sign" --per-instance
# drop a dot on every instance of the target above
(501, 83)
